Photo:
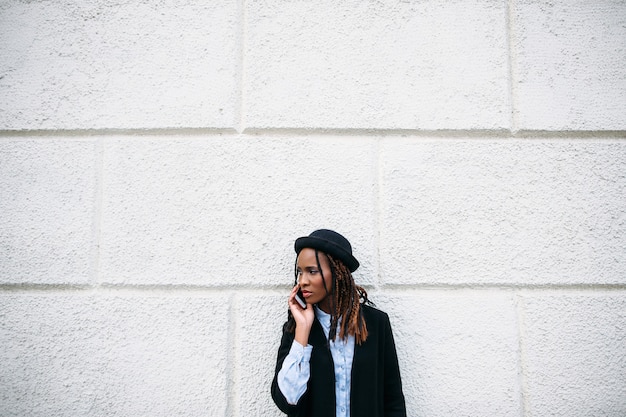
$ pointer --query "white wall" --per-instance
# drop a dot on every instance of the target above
(157, 160)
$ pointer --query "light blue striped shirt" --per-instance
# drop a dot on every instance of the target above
(295, 372)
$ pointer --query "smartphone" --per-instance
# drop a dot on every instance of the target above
(300, 299)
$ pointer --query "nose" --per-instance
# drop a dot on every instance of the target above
(301, 278)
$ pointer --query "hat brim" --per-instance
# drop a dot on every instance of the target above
(328, 247)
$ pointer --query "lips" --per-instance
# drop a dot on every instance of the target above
(306, 294)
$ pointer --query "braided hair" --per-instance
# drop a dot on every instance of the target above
(345, 302)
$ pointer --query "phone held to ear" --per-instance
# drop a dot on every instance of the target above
(300, 299)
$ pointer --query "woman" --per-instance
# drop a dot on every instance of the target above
(337, 356)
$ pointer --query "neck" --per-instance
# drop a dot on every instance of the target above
(324, 305)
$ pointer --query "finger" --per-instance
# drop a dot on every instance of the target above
(292, 294)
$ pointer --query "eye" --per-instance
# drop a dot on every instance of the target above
(313, 271)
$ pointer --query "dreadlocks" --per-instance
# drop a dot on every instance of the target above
(345, 302)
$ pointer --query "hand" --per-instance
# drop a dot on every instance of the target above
(303, 317)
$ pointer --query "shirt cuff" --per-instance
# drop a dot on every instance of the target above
(299, 352)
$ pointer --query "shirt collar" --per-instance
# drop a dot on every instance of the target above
(324, 318)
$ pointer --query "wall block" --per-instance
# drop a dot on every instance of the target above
(74, 354)
(569, 64)
(574, 353)
(100, 65)
(458, 351)
(179, 211)
(511, 212)
(387, 65)
(47, 207)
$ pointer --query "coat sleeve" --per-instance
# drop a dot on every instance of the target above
(393, 397)
(277, 395)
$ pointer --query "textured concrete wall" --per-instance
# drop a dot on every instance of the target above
(157, 160)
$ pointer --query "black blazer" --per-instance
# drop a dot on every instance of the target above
(376, 387)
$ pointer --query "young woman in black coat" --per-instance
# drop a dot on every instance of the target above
(337, 355)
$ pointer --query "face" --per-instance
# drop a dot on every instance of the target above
(310, 278)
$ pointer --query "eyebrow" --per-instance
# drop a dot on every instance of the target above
(307, 267)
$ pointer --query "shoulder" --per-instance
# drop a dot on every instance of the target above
(378, 324)
(372, 314)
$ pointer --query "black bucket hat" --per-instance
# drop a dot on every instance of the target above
(330, 242)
